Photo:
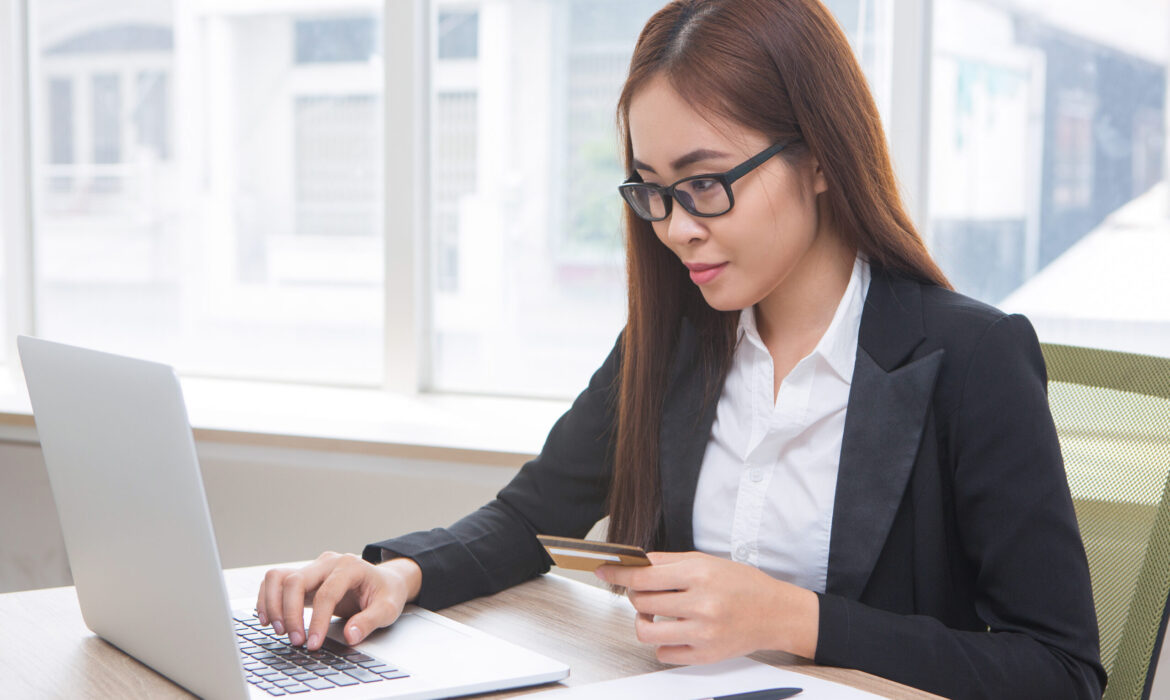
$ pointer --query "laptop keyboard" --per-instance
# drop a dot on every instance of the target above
(275, 666)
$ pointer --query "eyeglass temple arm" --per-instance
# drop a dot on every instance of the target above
(739, 171)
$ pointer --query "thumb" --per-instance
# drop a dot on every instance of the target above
(360, 625)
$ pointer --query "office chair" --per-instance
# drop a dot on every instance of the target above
(1112, 413)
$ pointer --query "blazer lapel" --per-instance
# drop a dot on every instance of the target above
(888, 403)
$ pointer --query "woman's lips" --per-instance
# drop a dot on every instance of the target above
(702, 274)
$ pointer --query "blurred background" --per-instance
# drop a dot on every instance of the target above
(209, 177)
(399, 220)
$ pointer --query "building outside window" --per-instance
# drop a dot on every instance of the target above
(209, 185)
(209, 180)
(1048, 188)
(529, 288)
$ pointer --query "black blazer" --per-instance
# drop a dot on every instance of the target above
(955, 561)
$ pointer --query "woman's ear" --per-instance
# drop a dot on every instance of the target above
(820, 183)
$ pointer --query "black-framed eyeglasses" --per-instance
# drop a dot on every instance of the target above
(704, 195)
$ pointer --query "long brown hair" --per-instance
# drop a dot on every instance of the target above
(785, 69)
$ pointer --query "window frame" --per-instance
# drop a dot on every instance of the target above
(408, 61)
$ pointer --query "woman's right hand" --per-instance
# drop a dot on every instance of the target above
(337, 584)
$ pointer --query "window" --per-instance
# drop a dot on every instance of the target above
(336, 40)
(528, 287)
(150, 118)
(210, 186)
(1047, 156)
(458, 34)
(215, 204)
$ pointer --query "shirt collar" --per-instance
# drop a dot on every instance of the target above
(838, 346)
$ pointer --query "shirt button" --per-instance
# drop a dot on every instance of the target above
(756, 475)
(741, 553)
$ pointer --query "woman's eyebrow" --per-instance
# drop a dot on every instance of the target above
(683, 161)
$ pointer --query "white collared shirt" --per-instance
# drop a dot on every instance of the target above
(769, 474)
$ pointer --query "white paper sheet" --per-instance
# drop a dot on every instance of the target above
(712, 680)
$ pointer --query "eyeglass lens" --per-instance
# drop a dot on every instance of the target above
(706, 196)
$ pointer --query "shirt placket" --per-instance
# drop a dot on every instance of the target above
(756, 474)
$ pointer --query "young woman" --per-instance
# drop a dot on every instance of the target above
(828, 451)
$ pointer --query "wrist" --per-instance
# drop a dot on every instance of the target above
(796, 623)
(406, 573)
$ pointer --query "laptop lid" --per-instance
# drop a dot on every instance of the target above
(121, 462)
(122, 465)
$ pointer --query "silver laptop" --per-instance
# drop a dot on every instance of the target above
(121, 460)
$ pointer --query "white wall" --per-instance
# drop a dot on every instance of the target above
(268, 504)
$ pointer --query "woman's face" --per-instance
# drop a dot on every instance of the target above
(740, 257)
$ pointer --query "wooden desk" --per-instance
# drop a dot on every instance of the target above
(47, 652)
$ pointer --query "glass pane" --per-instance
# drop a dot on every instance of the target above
(528, 288)
(209, 186)
(1048, 165)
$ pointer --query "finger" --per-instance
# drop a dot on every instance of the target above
(678, 654)
(335, 586)
(661, 603)
(646, 578)
(661, 558)
(293, 607)
(381, 613)
(270, 604)
(296, 586)
(660, 632)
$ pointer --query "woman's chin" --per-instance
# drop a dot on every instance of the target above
(722, 301)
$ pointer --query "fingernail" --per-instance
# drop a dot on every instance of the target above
(354, 635)
(314, 640)
(598, 573)
(263, 618)
(297, 638)
(278, 626)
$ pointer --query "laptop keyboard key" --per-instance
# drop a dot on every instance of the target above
(363, 675)
(341, 679)
(298, 688)
(319, 684)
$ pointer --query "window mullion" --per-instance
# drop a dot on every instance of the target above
(16, 172)
(909, 119)
(405, 42)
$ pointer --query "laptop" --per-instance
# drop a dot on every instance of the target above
(121, 462)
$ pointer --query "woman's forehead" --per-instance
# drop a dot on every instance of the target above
(666, 131)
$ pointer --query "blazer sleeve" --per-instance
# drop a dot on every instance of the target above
(560, 492)
(1018, 528)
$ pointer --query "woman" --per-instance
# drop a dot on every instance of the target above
(863, 459)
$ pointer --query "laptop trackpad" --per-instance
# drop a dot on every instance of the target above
(415, 643)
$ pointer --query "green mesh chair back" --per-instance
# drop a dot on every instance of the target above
(1112, 413)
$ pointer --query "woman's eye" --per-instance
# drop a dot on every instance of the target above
(701, 186)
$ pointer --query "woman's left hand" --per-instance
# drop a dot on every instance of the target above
(721, 609)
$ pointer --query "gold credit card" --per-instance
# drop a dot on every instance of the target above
(587, 555)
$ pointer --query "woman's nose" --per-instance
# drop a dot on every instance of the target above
(684, 227)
